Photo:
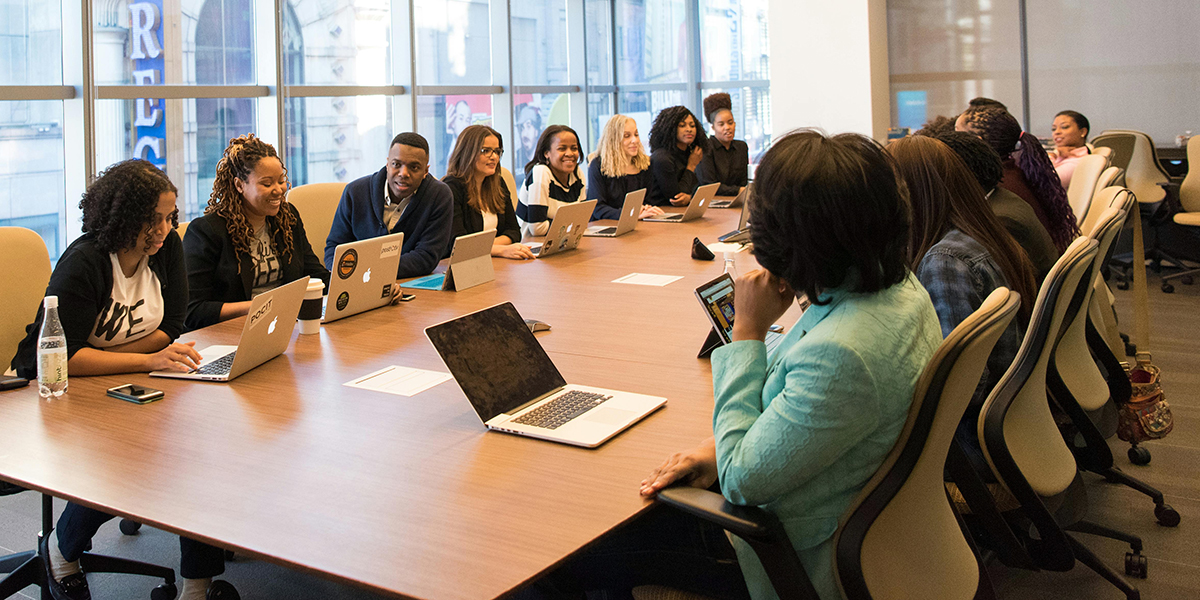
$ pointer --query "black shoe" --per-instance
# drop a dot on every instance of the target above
(72, 587)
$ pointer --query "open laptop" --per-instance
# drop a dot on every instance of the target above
(470, 265)
(515, 388)
(570, 221)
(629, 217)
(266, 334)
(738, 200)
(695, 208)
(716, 297)
(363, 275)
(742, 233)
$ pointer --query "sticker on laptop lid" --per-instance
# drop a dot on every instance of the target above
(389, 249)
(347, 263)
(343, 300)
(387, 291)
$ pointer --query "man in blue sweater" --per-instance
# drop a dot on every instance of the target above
(402, 197)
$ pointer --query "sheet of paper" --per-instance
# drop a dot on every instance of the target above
(402, 381)
(648, 279)
(721, 247)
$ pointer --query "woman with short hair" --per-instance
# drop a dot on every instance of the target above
(1070, 132)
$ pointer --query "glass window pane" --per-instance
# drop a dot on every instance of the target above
(733, 36)
(532, 114)
(539, 42)
(642, 107)
(752, 113)
(337, 139)
(453, 42)
(441, 118)
(185, 138)
(32, 193)
(342, 42)
(942, 54)
(600, 110)
(30, 42)
(651, 41)
(598, 14)
(133, 43)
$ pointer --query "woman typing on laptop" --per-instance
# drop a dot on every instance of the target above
(481, 200)
(618, 166)
(122, 298)
(250, 239)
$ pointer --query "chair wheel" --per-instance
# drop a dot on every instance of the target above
(1122, 285)
(164, 591)
(1167, 516)
(130, 528)
(1186, 279)
(1139, 455)
(1168, 288)
(1135, 565)
(229, 555)
(222, 590)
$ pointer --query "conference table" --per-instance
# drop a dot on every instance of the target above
(407, 496)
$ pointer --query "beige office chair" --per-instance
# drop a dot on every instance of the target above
(511, 184)
(1083, 184)
(29, 273)
(1189, 199)
(1099, 204)
(1102, 308)
(317, 202)
(1104, 151)
(182, 229)
(1134, 151)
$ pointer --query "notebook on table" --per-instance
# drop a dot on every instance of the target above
(629, 217)
(716, 297)
(470, 265)
(514, 387)
(695, 209)
(566, 229)
(265, 335)
(364, 272)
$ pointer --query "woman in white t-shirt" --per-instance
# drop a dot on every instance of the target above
(122, 298)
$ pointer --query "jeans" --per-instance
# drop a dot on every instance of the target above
(78, 524)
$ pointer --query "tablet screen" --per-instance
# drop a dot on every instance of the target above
(716, 297)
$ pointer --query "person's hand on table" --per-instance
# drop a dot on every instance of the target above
(513, 252)
(681, 199)
(649, 211)
(396, 292)
(759, 299)
(180, 357)
(696, 467)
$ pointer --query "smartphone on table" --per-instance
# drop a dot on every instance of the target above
(136, 394)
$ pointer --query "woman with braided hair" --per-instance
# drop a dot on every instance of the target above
(250, 239)
(1028, 171)
(676, 147)
(726, 160)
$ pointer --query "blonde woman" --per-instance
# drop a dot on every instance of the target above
(481, 200)
(618, 166)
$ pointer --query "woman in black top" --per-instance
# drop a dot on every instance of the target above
(618, 166)
(250, 239)
(676, 147)
(481, 200)
(727, 159)
(122, 298)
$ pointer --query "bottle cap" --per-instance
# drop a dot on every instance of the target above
(50, 302)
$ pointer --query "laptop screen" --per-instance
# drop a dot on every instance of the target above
(717, 298)
(495, 359)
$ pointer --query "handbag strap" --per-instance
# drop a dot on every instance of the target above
(1141, 296)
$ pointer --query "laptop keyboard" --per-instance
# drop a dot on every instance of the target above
(221, 366)
(557, 412)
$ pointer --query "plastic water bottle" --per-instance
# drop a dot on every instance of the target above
(730, 269)
(52, 352)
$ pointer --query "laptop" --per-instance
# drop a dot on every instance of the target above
(266, 334)
(738, 200)
(570, 221)
(515, 388)
(716, 297)
(363, 275)
(742, 233)
(629, 217)
(470, 265)
(695, 208)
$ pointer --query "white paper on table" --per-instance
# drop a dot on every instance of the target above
(721, 247)
(648, 279)
(402, 381)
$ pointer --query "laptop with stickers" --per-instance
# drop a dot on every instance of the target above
(363, 275)
(629, 217)
(695, 208)
(266, 334)
(570, 221)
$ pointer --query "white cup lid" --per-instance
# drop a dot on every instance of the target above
(315, 284)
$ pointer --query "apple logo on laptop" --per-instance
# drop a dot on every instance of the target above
(631, 211)
(367, 276)
(271, 326)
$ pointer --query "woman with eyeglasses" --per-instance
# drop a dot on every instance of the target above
(481, 200)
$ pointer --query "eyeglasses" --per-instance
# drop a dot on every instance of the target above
(485, 151)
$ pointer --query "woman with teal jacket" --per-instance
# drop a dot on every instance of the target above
(801, 431)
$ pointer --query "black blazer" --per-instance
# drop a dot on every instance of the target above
(468, 220)
(83, 281)
(213, 267)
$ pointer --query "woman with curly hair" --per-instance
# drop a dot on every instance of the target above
(726, 160)
(618, 166)
(250, 239)
(676, 148)
(481, 200)
(122, 298)
(1028, 171)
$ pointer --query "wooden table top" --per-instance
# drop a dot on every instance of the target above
(388, 492)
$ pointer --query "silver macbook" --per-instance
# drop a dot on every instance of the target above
(570, 221)
(629, 217)
(695, 208)
(266, 334)
(727, 202)
(514, 387)
(363, 275)
(742, 233)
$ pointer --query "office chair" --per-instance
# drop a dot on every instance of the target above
(317, 203)
(901, 537)
(1022, 444)
(1083, 184)
(1189, 200)
(1134, 151)
(182, 229)
(30, 273)
(511, 184)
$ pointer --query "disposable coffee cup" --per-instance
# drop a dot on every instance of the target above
(310, 310)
